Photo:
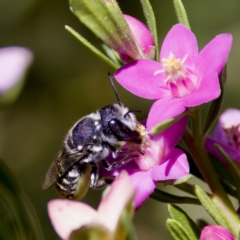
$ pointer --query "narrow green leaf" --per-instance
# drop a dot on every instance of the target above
(221, 170)
(216, 105)
(210, 206)
(106, 21)
(238, 233)
(151, 22)
(92, 48)
(182, 180)
(162, 196)
(181, 13)
(176, 230)
(162, 126)
(233, 170)
(112, 55)
(20, 215)
(188, 225)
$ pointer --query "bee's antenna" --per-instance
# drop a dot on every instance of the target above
(114, 89)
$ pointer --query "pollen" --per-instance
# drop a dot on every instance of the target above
(173, 67)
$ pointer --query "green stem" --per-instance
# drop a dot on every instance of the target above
(203, 163)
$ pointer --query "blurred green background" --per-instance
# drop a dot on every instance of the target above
(66, 82)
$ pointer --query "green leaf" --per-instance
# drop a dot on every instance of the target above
(112, 55)
(216, 105)
(151, 22)
(162, 196)
(181, 13)
(238, 233)
(20, 215)
(210, 206)
(182, 180)
(162, 126)
(106, 21)
(233, 169)
(188, 225)
(91, 232)
(92, 48)
(176, 230)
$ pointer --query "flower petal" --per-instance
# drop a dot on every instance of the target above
(141, 33)
(214, 55)
(13, 64)
(162, 110)
(138, 78)
(216, 232)
(68, 215)
(232, 152)
(228, 119)
(112, 205)
(144, 186)
(175, 166)
(181, 42)
(208, 90)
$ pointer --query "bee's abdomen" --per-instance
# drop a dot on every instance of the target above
(75, 182)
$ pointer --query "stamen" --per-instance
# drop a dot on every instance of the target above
(179, 78)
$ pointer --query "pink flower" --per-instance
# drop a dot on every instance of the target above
(143, 37)
(14, 62)
(227, 135)
(183, 78)
(216, 232)
(68, 216)
(160, 162)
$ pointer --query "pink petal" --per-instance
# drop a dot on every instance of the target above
(138, 78)
(175, 166)
(112, 205)
(214, 55)
(164, 109)
(216, 232)
(232, 152)
(13, 63)
(171, 136)
(229, 118)
(181, 42)
(141, 32)
(144, 186)
(208, 90)
(68, 215)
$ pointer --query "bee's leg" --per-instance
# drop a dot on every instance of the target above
(103, 182)
(111, 166)
(96, 182)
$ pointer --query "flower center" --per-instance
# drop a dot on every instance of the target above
(180, 79)
(151, 152)
(233, 135)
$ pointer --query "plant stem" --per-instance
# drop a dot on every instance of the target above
(220, 197)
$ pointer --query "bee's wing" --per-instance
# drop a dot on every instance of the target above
(63, 161)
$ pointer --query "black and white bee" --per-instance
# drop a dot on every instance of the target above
(87, 145)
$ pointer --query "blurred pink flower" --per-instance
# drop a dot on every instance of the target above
(216, 232)
(183, 78)
(68, 215)
(14, 62)
(160, 161)
(143, 37)
(227, 135)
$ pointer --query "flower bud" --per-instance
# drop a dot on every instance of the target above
(216, 232)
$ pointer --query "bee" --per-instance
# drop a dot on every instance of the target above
(87, 145)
